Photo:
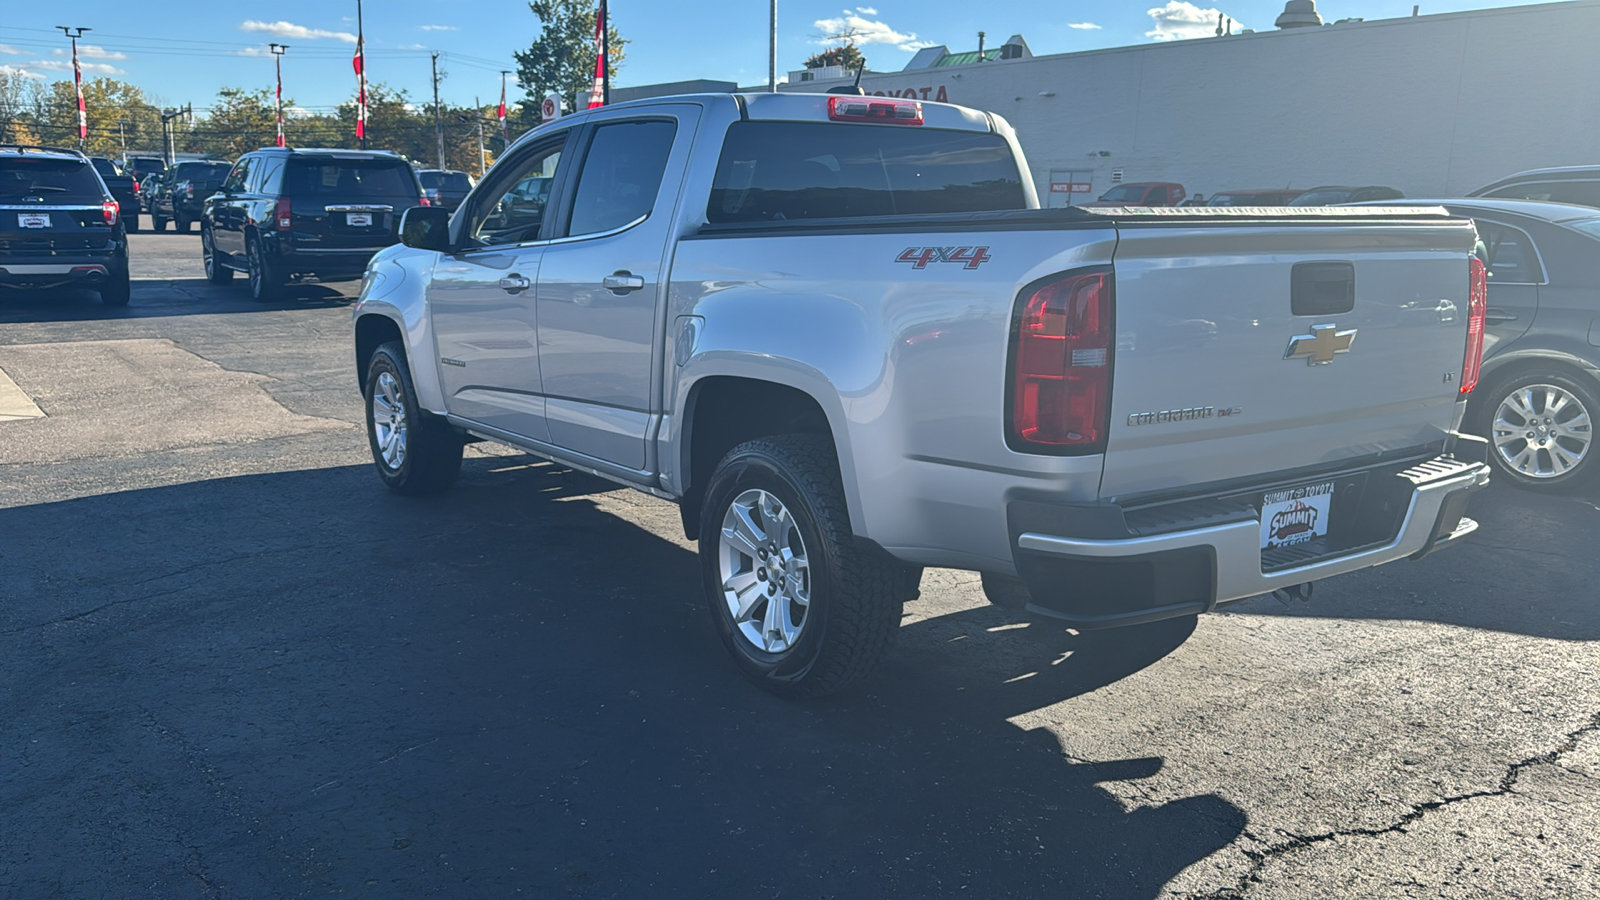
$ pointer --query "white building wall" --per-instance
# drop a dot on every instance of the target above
(1432, 105)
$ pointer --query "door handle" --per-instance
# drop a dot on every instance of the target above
(623, 281)
(1497, 316)
(515, 284)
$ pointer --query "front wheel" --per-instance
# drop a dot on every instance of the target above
(802, 608)
(415, 453)
(1540, 426)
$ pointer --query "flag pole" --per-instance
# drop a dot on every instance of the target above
(77, 81)
(277, 58)
(605, 54)
(361, 71)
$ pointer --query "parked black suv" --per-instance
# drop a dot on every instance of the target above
(123, 189)
(445, 187)
(285, 213)
(142, 167)
(59, 224)
(181, 193)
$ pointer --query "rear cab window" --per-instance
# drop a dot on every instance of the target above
(777, 171)
(60, 182)
(349, 178)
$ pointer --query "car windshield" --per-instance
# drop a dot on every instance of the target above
(202, 170)
(49, 180)
(1123, 194)
(449, 181)
(318, 177)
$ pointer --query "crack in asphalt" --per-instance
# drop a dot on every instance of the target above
(1259, 859)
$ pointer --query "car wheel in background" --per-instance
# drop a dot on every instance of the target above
(414, 452)
(182, 223)
(803, 609)
(1540, 426)
(216, 272)
(157, 223)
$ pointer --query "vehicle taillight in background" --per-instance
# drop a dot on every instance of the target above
(189, 190)
(136, 188)
(1477, 311)
(424, 201)
(280, 216)
(109, 210)
(874, 109)
(1060, 391)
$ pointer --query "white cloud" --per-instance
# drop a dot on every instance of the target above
(20, 72)
(1084, 26)
(856, 27)
(7, 48)
(65, 65)
(253, 51)
(1179, 20)
(91, 51)
(285, 29)
(866, 10)
(438, 28)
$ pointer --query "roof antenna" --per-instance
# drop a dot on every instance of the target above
(854, 89)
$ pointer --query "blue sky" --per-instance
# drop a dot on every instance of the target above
(182, 51)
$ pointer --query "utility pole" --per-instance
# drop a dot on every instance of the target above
(438, 117)
(772, 52)
(277, 58)
(122, 134)
(361, 72)
(477, 113)
(605, 53)
(167, 115)
(77, 80)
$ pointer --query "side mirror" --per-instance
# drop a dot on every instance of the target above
(426, 228)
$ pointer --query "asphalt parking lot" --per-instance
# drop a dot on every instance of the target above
(235, 666)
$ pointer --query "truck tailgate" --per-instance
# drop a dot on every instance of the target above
(1240, 353)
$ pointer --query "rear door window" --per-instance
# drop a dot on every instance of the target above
(621, 175)
(775, 171)
(1509, 254)
(1583, 193)
(349, 178)
(48, 181)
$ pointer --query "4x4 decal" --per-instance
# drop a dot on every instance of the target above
(919, 257)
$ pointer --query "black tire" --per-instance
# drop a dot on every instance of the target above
(1546, 466)
(182, 223)
(430, 450)
(266, 286)
(118, 290)
(131, 223)
(853, 613)
(157, 223)
(216, 272)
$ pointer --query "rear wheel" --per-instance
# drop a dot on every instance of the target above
(265, 284)
(216, 271)
(415, 453)
(802, 608)
(157, 223)
(1540, 426)
(118, 290)
(180, 222)
(131, 222)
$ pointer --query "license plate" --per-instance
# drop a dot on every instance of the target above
(33, 220)
(1295, 515)
(358, 220)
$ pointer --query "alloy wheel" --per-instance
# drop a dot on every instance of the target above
(765, 572)
(389, 421)
(1542, 431)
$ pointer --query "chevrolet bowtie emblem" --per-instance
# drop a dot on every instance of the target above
(1320, 346)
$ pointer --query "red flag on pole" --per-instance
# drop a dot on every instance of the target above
(280, 110)
(359, 62)
(77, 80)
(502, 112)
(597, 93)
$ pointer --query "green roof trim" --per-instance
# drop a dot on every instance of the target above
(967, 58)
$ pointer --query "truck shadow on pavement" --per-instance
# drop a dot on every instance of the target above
(163, 297)
(1533, 558)
(268, 685)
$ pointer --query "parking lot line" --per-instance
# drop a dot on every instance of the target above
(14, 404)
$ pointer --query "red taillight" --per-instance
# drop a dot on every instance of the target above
(874, 109)
(281, 217)
(1061, 368)
(1477, 309)
(424, 199)
(109, 210)
(189, 189)
(136, 188)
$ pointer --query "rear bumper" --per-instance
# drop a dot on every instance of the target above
(326, 263)
(86, 271)
(1188, 557)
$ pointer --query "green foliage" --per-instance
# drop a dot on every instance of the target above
(847, 55)
(561, 59)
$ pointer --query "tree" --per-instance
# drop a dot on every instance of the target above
(239, 121)
(561, 59)
(118, 112)
(847, 55)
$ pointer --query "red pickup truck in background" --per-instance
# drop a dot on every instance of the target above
(1142, 193)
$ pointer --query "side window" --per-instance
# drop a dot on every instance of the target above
(238, 177)
(621, 175)
(1509, 255)
(514, 210)
(261, 176)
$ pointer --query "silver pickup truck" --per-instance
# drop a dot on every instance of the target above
(840, 334)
